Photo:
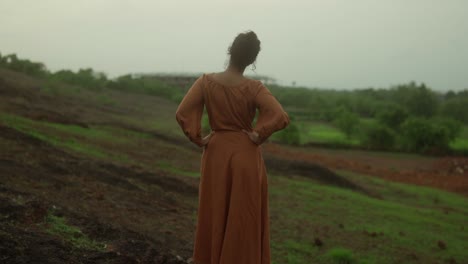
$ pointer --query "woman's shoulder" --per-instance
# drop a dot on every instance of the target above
(215, 79)
(259, 86)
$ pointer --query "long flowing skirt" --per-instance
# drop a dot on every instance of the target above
(233, 218)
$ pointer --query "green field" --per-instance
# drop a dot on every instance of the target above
(324, 133)
(328, 134)
(406, 221)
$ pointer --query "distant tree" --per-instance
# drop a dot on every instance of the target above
(126, 83)
(392, 116)
(365, 106)
(450, 94)
(379, 136)
(422, 134)
(13, 63)
(347, 122)
(456, 108)
(453, 126)
(344, 102)
(419, 100)
(86, 78)
(463, 93)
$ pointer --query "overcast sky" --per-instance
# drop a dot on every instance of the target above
(340, 44)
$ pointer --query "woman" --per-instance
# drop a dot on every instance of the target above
(233, 224)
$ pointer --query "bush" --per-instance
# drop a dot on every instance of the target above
(453, 126)
(86, 78)
(12, 62)
(148, 86)
(418, 99)
(392, 116)
(427, 135)
(347, 122)
(378, 137)
(290, 135)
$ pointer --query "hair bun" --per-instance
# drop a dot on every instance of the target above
(250, 34)
(244, 49)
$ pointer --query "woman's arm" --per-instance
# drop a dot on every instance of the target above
(190, 111)
(272, 116)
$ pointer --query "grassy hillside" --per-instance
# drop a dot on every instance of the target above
(107, 177)
(405, 224)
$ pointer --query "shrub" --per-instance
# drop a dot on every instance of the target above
(423, 135)
(290, 135)
(149, 86)
(418, 99)
(12, 62)
(86, 78)
(347, 122)
(378, 137)
(392, 116)
(454, 127)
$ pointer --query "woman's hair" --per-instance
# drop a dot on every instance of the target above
(244, 49)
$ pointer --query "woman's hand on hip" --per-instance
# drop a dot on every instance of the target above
(253, 136)
(206, 139)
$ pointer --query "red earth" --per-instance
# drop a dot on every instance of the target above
(447, 173)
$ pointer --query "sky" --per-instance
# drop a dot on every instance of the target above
(339, 44)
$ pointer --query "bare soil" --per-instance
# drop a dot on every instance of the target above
(447, 173)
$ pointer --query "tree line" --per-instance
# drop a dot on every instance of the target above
(408, 117)
(93, 80)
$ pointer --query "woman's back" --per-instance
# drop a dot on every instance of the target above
(230, 102)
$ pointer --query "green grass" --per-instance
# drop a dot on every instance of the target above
(58, 226)
(70, 137)
(406, 220)
(105, 100)
(295, 252)
(340, 256)
(324, 133)
(167, 166)
(461, 143)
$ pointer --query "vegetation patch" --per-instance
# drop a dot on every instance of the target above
(39, 130)
(326, 133)
(405, 217)
(341, 256)
(58, 226)
(170, 168)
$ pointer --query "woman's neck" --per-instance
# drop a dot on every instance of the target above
(234, 70)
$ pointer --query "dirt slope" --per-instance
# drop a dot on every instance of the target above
(58, 206)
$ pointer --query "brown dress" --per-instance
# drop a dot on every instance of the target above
(233, 220)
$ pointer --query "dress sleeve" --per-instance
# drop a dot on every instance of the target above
(190, 111)
(272, 116)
